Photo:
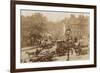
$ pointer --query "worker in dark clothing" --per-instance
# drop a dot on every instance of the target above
(68, 41)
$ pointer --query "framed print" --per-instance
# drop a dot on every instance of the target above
(52, 36)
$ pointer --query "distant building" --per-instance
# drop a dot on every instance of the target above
(79, 26)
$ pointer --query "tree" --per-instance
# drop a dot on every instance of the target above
(31, 28)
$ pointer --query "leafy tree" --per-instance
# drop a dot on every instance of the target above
(31, 28)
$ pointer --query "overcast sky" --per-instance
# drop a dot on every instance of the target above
(52, 16)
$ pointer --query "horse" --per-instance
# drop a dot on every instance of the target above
(77, 46)
(68, 47)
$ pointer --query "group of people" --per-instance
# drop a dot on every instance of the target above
(63, 46)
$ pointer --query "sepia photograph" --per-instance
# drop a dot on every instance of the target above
(54, 36)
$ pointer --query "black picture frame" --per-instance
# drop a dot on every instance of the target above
(13, 35)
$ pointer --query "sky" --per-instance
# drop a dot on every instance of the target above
(52, 16)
